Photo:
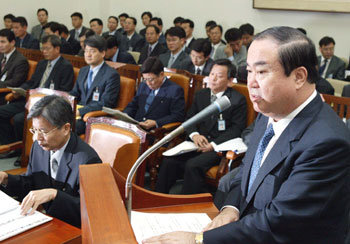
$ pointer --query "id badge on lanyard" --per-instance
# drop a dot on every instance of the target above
(221, 123)
(96, 95)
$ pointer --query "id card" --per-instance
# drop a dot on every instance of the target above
(52, 86)
(96, 96)
(221, 124)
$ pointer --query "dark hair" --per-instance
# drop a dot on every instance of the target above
(89, 33)
(8, 34)
(188, 21)
(159, 20)
(214, 26)
(152, 65)
(147, 13)
(77, 14)
(176, 31)
(202, 45)
(231, 69)
(114, 17)
(42, 9)
(54, 26)
(326, 41)
(56, 110)
(155, 28)
(302, 30)
(21, 20)
(9, 16)
(123, 15)
(99, 21)
(53, 39)
(178, 20)
(112, 41)
(247, 29)
(64, 29)
(96, 42)
(233, 34)
(294, 50)
(133, 20)
(210, 23)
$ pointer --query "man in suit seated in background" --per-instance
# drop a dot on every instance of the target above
(159, 23)
(135, 42)
(152, 48)
(293, 186)
(215, 34)
(54, 28)
(115, 54)
(200, 57)
(96, 25)
(188, 27)
(158, 100)
(247, 34)
(74, 44)
(218, 128)
(52, 177)
(23, 38)
(176, 57)
(346, 91)
(77, 23)
(8, 18)
(146, 19)
(122, 17)
(330, 66)
(37, 31)
(97, 84)
(112, 25)
(53, 72)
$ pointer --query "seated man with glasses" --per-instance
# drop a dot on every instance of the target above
(158, 100)
(52, 177)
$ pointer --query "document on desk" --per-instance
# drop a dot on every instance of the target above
(12, 222)
(146, 225)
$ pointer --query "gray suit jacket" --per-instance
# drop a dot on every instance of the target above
(336, 68)
(15, 71)
(181, 62)
(37, 32)
(240, 59)
(216, 55)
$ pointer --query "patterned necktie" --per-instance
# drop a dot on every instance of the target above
(171, 61)
(89, 81)
(323, 67)
(54, 167)
(46, 74)
(149, 50)
(198, 71)
(269, 133)
(213, 98)
(3, 63)
(149, 100)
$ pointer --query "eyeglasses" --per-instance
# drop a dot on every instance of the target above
(148, 79)
(41, 132)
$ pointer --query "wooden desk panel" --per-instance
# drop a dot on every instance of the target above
(55, 231)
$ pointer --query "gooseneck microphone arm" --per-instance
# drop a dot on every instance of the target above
(218, 106)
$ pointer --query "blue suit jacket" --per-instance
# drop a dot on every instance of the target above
(125, 57)
(168, 106)
(28, 42)
(66, 205)
(301, 193)
(106, 82)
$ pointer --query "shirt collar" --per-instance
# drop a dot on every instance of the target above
(188, 41)
(59, 153)
(112, 33)
(218, 95)
(322, 59)
(115, 56)
(175, 55)
(129, 37)
(201, 67)
(96, 69)
(8, 55)
(153, 45)
(53, 62)
(157, 90)
(79, 30)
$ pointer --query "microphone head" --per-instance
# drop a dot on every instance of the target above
(223, 103)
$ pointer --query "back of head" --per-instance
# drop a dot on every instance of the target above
(247, 29)
(176, 31)
(8, 34)
(326, 41)
(21, 20)
(56, 110)
(231, 69)
(295, 50)
(152, 65)
(233, 34)
(96, 41)
(112, 42)
(202, 45)
(53, 39)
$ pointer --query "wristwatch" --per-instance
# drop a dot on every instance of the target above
(199, 238)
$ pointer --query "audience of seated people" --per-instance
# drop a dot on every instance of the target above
(115, 54)
(112, 25)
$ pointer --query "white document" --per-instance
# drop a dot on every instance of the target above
(11, 220)
(184, 147)
(119, 115)
(237, 145)
(146, 225)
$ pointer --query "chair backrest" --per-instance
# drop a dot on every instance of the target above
(135, 55)
(131, 71)
(337, 85)
(33, 96)
(76, 73)
(108, 136)
(127, 91)
(243, 89)
(341, 105)
(183, 81)
(32, 67)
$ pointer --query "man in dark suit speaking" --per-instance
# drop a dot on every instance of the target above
(158, 101)
(293, 186)
(52, 177)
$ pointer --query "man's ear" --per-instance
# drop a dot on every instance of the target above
(300, 77)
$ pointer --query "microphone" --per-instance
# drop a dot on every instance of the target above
(218, 106)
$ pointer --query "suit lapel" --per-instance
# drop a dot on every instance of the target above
(64, 169)
(53, 72)
(157, 99)
(98, 77)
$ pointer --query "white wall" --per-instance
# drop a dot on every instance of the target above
(229, 13)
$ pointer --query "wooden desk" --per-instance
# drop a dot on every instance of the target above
(55, 231)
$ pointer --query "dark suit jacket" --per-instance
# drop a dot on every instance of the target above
(346, 91)
(29, 42)
(206, 70)
(181, 62)
(83, 30)
(66, 205)
(122, 40)
(106, 82)
(235, 116)
(61, 75)
(15, 71)
(167, 107)
(336, 68)
(135, 43)
(162, 40)
(301, 193)
(157, 50)
(125, 57)
(66, 48)
(74, 44)
(323, 86)
(142, 32)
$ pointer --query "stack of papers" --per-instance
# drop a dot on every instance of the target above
(119, 115)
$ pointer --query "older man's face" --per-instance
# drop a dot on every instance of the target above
(270, 90)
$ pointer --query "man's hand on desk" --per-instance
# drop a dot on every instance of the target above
(36, 198)
(226, 216)
(16, 95)
(148, 124)
(3, 178)
(202, 143)
(179, 237)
